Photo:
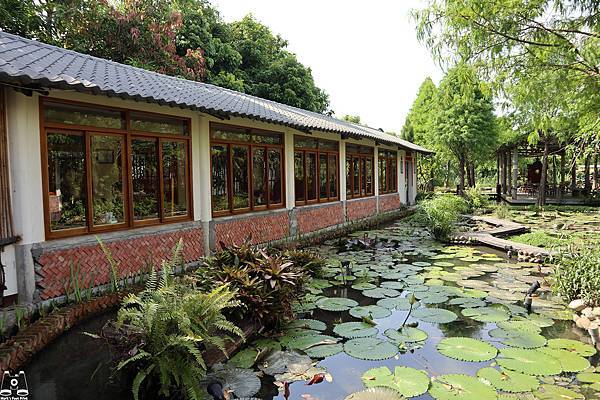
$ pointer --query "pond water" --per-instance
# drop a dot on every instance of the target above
(480, 290)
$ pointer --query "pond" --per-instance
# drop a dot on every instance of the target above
(351, 327)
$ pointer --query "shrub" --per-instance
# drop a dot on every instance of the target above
(266, 284)
(166, 326)
(503, 211)
(577, 275)
(477, 201)
(441, 214)
(308, 261)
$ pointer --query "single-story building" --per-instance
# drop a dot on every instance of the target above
(90, 148)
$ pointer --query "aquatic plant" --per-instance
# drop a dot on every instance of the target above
(577, 274)
(309, 261)
(477, 201)
(171, 322)
(440, 214)
(409, 382)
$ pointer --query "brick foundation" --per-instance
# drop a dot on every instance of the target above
(132, 255)
(261, 229)
(359, 209)
(388, 202)
(312, 219)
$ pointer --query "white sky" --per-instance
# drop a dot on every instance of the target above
(365, 55)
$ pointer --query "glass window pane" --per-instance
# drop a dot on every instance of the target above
(349, 176)
(231, 133)
(145, 178)
(323, 176)
(158, 124)
(382, 175)
(299, 176)
(333, 176)
(267, 137)
(74, 114)
(356, 170)
(219, 166)
(239, 158)
(107, 179)
(363, 177)
(393, 179)
(275, 176)
(303, 142)
(369, 175)
(328, 145)
(311, 176)
(67, 188)
(174, 179)
(259, 180)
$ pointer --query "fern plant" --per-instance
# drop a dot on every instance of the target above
(174, 323)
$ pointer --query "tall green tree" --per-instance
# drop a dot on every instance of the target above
(464, 121)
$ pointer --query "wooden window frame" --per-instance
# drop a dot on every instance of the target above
(251, 147)
(388, 159)
(362, 159)
(127, 135)
(318, 153)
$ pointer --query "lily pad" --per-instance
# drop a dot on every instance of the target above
(508, 381)
(335, 303)
(460, 387)
(588, 377)
(575, 346)
(515, 338)
(244, 383)
(353, 330)
(466, 349)
(306, 342)
(370, 348)
(363, 286)
(434, 315)
(529, 361)
(553, 392)
(378, 393)
(467, 302)
(407, 334)
(409, 382)
(392, 285)
(380, 293)
(324, 350)
(244, 358)
(569, 361)
(371, 311)
(307, 324)
(396, 303)
(486, 314)
(283, 361)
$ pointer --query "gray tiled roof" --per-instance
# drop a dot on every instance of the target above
(26, 62)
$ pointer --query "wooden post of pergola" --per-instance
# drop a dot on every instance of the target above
(562, 175)
(515, 173)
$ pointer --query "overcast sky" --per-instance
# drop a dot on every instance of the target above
(364, 54)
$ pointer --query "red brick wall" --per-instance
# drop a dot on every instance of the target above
(132, 256)
(359, 209)
(312, 219)
(264, 228)
(389, 202)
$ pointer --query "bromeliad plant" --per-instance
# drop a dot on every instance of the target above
(266, 284)
(167, 326)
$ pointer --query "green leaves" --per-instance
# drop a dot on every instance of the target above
(508, 381)
(370, 349)
(466, 349)
(409, 382)
(434, 315)
(335, 303)
(353, 330)
(406, 334)
(460, 387)
(529, 361)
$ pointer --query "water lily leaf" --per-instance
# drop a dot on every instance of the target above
(324, 350)
(476, 293)
(569, 361)
(320, 283)
(444, 264)
(553, 392)
(244, 383)
(363, 286)
(396, 303)
(282, 361)
(460, 387)
(588, 377)
(335, 303)
(515, 338)
(466, 349)
(380, 293)
(421, 264)
(306, 342)
(522, 326)
(575, 346)
(267, 344)
(307, 324)
(244, 358)
(409, 382)
(434, 315)
(529, 361)
(371, 311)
(467, 302)
(540, 320)
(433, 298)
(486, 314)
(406, 334)
(508, 381)
(353, 330)
(392, 285)
(378, 393)
(370, 348)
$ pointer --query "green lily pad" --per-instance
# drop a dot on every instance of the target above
(371, 311)
(588, 377)
(460, 387)
(475, 293)
(575, 346)
(380, 293)
(335, 303)
(370, 348)
(521, 326)
(353, 330)
(433, 298)
(466, 349)
(486, 314)
(392, 285)
(515, 338)
(508, 381)
(443, 264)
(409, 382)
(306, 342)
(553, 392)
(307, 324)
(569, 362)
(244, 358)
(396, 303)
(324, 350)
(407, 334)
(243, 382)
(540, 320)
(434, 315)
(378, 393)
(467, 302)
(363, 286)
(529, 361)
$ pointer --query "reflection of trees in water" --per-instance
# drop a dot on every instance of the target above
(466, 327)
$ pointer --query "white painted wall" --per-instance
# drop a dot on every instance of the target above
(402, 177)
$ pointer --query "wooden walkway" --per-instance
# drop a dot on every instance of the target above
(492, 237)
